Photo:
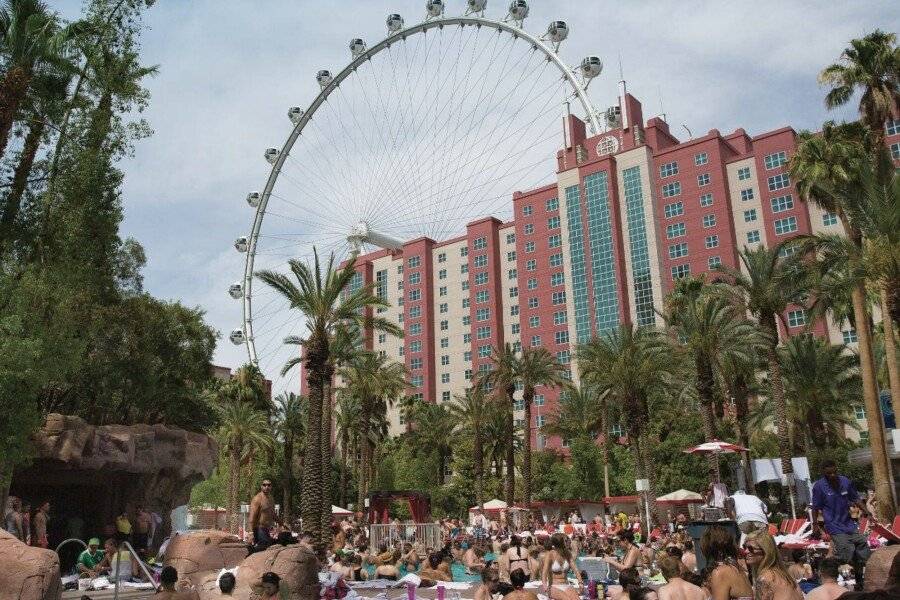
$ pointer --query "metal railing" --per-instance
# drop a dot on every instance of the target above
(119, 564)
(427, 534)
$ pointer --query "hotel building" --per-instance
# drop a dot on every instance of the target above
(632, 210)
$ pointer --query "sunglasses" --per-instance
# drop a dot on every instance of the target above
(754, 550)
(267, 485)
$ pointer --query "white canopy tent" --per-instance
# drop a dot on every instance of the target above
(492, 509)
(681, 496)
(337, 510)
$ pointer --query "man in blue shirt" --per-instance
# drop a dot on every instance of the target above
(832, 497)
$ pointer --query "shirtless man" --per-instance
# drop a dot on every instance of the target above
(518, 579)
(828, 574)
(142, 522)
(172, 589)
(688, 558)
(262, 515)
(39, 537)
(677, 588)
(432, 572)
(473, 560)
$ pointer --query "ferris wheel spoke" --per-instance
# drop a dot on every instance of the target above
(325, 222)
(293, 180)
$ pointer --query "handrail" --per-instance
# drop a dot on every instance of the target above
(119, 562)
(64, 542)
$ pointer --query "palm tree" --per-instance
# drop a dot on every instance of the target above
(629, 364)
(469, 410)
(765, 287)
(321, 297)
(31, 39)
(738, 379)
(429, 434)
(242, 429)
(290, 413)
(870, 65)
(250, 387)
(503, 375)
(346, 422)
(376, 382)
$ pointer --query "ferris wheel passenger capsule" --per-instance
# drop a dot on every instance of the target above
(557, 31)
(253, 199)
(394, 23)
(591, 66)
(324, 78)
(237, 337)
(518, 10)
(295, 113)
(236, 290)
(476, 6)
(271, 155)
(434, 8)
(357, 47)
(241, 244)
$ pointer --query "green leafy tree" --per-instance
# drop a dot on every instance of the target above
(290, 426)
(469, 410)
(504, 373)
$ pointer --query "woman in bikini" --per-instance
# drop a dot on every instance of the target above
(517, 556)
(557, 563)
(771, 581)
(725, 580)
(631, 554)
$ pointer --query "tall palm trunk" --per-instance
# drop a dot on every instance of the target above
(13, 89)
(890, 348)
(20, 180)
(604, 447)
(344, 468)
(234, 479)
(741, 412)
(326, 451)
(781, 422)
(528, 399)
(287, 479)
(704, 385)
(363, 476)
(311, 504)
(478, 458)
(509, 489)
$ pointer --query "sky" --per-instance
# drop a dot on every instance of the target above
(229, 69)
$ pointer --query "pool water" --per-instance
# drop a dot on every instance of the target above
(457, 569)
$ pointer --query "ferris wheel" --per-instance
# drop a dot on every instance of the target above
(430, 128)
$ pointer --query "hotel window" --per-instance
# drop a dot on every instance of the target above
(415, 347)
(535, 341)
(445, 360)
(415, 295)
(415, 363)
(442, 274)
(445, 342)
(895, 150)
(709, 221)
(753, 236)
(557, 298)
(563, 357)
(701, 158)
(556, 260)
(464, 251)
(479, 243)
(464, 285)
(510, 238)
(750, 215)
(480, 260)
(382, 338)
(532, 284)
(400, 285)
(555, 241)
(529, 247)
(849, 336)
(416, 380)
(527, 210)
(777, 182)
(559, 318)
(511, 256)
(445, 325)
(783, 226)
(414, 261)
(468, 374)
(747, 194)
(787, 250)
(533, 303)
(467, 356)
(706, 200)
(528, 229)
(466, 320)
(482, 314)
(415, 278)
(518, 405)
(561, 337)
(703, 179)
(531, 264)
(442, 257)
(714, 261)
(538, 400)
(796, 318)
(415, 312)
(671, 189)
(463, 269)
(557, 279)
(743, 173)
(712, 241)
(668, 169)
(680, 271)
(467, 338)
(892, 127)
(481, 296)
(483, 333)
(512, 273)
(400, 350)
(445, 396)
(859, 411)
(539, 420)
(678, 250)
(534, 321)
(782, 203)
(552, 204)
(442, 291)
(553, 223)
(514, 310)
(674, 209)
(484, 351)
(775, 160)
(829, 219)
(675, 230)
(514, 328)
(400, 269)
(481, 278)
(514, 292)
(517, 347)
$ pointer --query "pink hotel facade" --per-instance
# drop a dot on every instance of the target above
(632, 210)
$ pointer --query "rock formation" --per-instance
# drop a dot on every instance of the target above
(296, 565)
(197, 555)
(879, 566)
(27, 573)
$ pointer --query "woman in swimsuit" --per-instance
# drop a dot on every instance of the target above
(517, 556)
(771, 581)
(557, 564)
(631, 554)
(724, 580)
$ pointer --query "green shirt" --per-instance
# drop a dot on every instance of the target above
(90, 560)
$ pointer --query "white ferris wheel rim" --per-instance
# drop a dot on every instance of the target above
(401, 35)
